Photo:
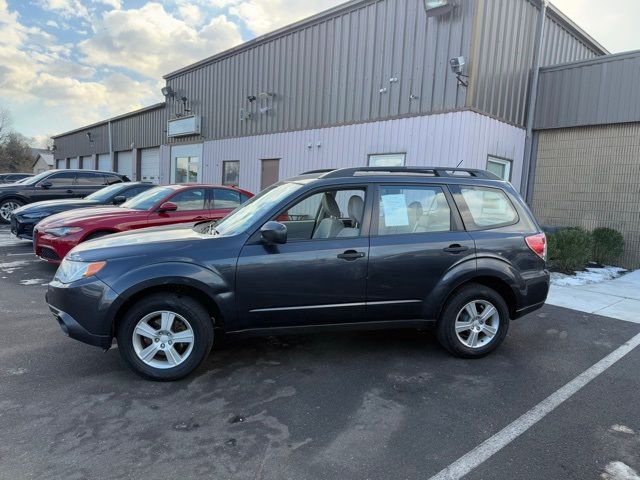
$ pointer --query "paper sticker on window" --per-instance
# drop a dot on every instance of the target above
(394, 208)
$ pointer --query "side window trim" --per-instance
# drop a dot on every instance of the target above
(457, 224)
(369, 192)
(465, 212)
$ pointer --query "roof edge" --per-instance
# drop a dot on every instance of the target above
(612, 57)
(318, 17)
(155, 106)
(556, 12)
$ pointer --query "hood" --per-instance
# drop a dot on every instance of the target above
(10, 186)
(86, 215)
(137, 242)
(56, 205)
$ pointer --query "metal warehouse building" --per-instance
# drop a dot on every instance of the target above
(378, 82)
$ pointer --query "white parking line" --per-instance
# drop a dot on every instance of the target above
(504, 437)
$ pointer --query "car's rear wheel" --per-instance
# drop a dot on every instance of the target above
(474, 321)
(165, 336)
(7, 207)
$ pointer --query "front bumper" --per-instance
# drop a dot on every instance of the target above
(22, 227)
(50, 248)
(84, 310)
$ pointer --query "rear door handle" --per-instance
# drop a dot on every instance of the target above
(69, 191)
(200, 219)
(456, 248)
(351, 255)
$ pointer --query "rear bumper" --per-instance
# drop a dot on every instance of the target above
(534, 294)
(84, 310)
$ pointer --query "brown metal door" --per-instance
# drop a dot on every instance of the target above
(270, 173)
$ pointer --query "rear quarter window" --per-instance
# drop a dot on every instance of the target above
(487, 208)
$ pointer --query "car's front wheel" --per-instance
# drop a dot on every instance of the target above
(7, 207)
(165, 336)
(474, 321)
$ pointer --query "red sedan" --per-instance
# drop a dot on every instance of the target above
(56, 235)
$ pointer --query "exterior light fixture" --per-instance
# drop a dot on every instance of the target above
(457, 67)
(168, 92)
(88, 134)
(435, 8)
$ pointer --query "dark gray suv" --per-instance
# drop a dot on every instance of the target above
(358, 248)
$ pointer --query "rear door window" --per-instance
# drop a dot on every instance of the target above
(223, 198)
(487, 208)
(413, 209)
(89, 179)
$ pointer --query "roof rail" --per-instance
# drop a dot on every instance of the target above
(433, 171)
(322, 170)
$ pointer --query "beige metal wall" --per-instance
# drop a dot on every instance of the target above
(590, 177)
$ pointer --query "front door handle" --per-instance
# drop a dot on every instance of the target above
(351, 255)
(69, 191)
(200, 219)
(456, 248)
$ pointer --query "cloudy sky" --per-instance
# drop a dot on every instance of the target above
(66, 63)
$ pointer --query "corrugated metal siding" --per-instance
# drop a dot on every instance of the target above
(146, 129)
(505, 43)
(595, 92)
(590, 177)
(78, 143)
(330, 72)
(426, 140)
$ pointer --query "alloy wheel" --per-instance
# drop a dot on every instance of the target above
(163, 339)
(477, 323)
(7, 208)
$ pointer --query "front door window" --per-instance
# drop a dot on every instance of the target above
(187, 169)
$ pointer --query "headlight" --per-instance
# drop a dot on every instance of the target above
(70, 271)
(36, 215)
(62, 231)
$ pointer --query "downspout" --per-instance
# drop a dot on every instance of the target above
(113, 163)
(528, 166)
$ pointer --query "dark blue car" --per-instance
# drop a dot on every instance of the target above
(359, 248)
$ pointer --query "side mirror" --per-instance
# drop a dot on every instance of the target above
(168, 207)
(46, 185)
(119, 200)
(274, 233)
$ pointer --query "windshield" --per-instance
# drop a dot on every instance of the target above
(105, 193)
(243, 217)
(147, 200)
(37, 178)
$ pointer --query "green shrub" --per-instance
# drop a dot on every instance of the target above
(570, 249)
(608, 245)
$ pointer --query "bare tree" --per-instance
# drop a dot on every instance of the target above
(5, 124)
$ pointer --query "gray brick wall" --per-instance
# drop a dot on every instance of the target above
(590, 177)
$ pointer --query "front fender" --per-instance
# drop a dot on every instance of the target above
(213, 284)
(464, 272)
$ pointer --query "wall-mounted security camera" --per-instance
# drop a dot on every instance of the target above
(457, 65)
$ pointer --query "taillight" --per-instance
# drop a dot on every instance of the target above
(538, 245)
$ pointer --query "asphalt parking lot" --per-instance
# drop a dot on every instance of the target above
(378, 405)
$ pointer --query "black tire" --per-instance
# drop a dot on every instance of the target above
(446, 328)
(5, 203)
(187, 307)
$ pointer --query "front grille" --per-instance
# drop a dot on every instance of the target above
(48, 254)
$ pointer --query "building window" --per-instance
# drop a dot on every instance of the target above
(231, 173)
(500, 166)
(387, 160)
(187, 169)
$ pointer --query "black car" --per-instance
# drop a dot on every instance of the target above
(25, 218)
(358, 248)
(13, 177)
(53, 185)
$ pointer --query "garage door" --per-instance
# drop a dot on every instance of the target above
(125, 164)
(74, 163)
(104, 162)
(150, 165)
(86, 163)
(61, 163)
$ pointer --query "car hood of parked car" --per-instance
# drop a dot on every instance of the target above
(137, 242)
(82, 215)
(56, 205)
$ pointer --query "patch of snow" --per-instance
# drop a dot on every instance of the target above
(17, 371)
(622, 429)
(32, 281)
(8, 240)
(10, 267)
(590, 276)
(619, 471)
